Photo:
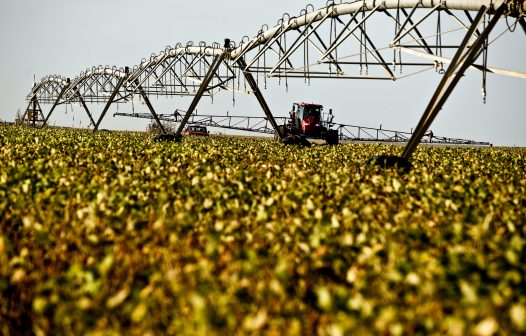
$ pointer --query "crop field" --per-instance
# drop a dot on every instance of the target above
(113, 234)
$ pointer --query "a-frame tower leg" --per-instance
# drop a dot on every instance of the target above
(33, 112)
(202, 89)
(57, 101)
(463, 59)
(111, 99)
(83, 103)
(259, 95)
(150, 107)
(522, 22)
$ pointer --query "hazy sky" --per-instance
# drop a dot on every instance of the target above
(65, 37)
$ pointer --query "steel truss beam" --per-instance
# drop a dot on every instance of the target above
(516, 9)
(95, 85)
(522, 22)
(241, 123)
(33, 112)
(111, 99)
(421, 41)
(464, 58)
(254, 86)
(31, 102)
(262, 125)
(202, 88)
(150, 107)
(347, 32)
(47, 90)
(135, 78)
(312, 23)
(301, 39)
(376, 54)
(56, 102)
(414, 25)
(83, 103)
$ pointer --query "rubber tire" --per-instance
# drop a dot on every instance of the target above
(297, 140)
(167, 138)
(283, 131)
(332, 137)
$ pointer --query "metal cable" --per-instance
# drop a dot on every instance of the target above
(397, 27)
(364, 31)
(514, 25)
(330, 41)
(484, 64)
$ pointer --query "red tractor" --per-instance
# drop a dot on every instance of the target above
(309, 121)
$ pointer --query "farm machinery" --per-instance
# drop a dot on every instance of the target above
(308, 121)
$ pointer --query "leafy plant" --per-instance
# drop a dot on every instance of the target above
(105, 233)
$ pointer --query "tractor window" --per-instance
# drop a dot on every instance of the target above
(312, 111)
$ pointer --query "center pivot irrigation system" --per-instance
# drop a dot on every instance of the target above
(339, 41)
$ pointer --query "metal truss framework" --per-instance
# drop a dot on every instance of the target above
(339, 41)
(262, 125)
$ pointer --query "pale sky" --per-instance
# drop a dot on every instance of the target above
(65, 37)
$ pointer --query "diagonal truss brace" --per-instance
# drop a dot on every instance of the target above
(83, 103)
(254, 86)
(111, 99)
(202, 89)
(268, 45)
(404, 33)
(301, 39)
(373, 51)
(33, 101)
(34, 107)
(347, 32)
(149, 104)
(463, 59)
(59, 97)
(420, 40)
(522, 22)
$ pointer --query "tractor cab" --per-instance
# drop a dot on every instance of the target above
(309, 121)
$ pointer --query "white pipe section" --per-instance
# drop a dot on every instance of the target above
(516, 8)
(102, 71)
(95, 72)
(45, 80)
(353, 7)
(190, 50)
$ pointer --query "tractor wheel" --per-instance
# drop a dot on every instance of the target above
(332, 137)
(283, 131)
(297, 140)
(167, 138)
